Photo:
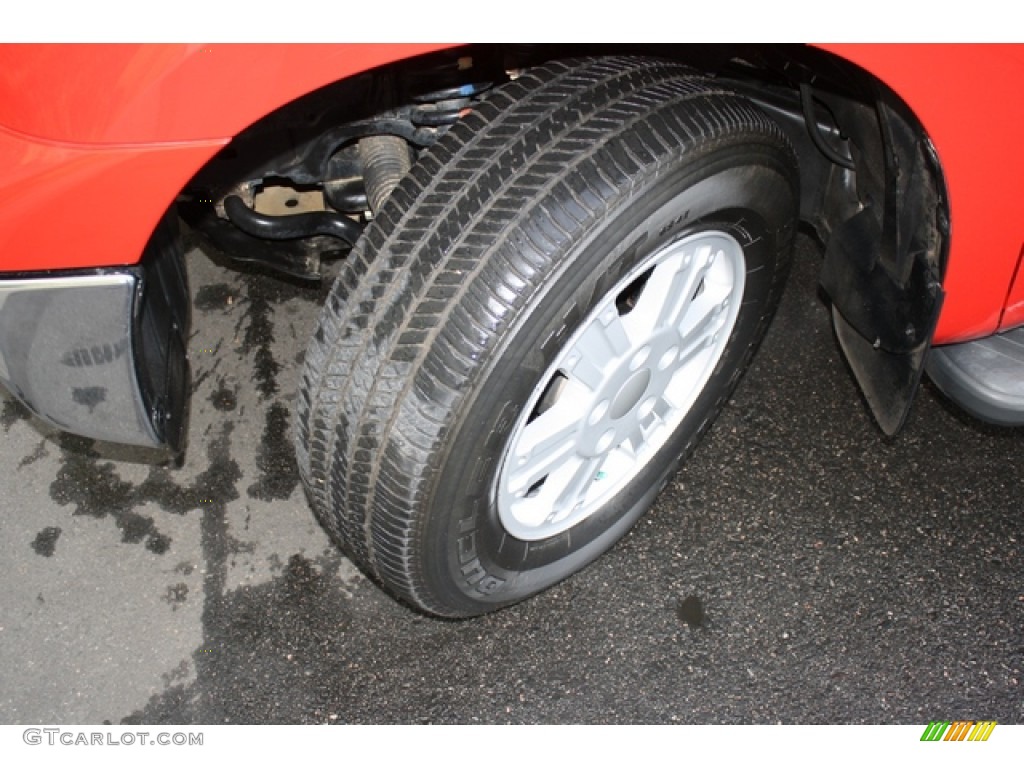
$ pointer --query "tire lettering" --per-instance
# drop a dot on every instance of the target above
(482, 469)
(509, 412)
(471, 568)
(673, 224)
(467, 548)
(473, 572)
(489, 585)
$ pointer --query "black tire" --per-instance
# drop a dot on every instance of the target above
(472, 281)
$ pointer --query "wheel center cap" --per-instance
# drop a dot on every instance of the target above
(630, 394)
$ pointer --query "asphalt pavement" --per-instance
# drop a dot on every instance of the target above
(801, 568)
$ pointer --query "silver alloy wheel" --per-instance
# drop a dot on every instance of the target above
(621, 385)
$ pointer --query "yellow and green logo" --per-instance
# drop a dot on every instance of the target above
(958, 730)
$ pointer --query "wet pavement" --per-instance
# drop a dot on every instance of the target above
(801, 568)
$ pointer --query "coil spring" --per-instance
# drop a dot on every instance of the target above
(444, 107)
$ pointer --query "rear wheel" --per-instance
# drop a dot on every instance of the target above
(541, 322)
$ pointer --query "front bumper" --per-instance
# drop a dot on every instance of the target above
(101, 353)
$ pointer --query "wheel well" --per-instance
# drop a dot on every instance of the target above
(295, 141)
(872, 189)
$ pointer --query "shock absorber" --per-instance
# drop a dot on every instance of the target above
(385, 160)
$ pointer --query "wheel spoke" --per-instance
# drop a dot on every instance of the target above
(573, 490)
(659, 414)
(669, 290)
(609, 332)
(601, 342)
(697, 336)
(684, 285)
(581, 369)
(547, 440)
(635, 438)
(662, 408)
(543, 458)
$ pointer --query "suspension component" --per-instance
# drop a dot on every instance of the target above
(292, 226)
(445, 107)
(385, 159)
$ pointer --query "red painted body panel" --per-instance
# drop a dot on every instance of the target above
(968, 97)
(1013, 315)
(69, 206)
(129, 94)
(101, 138)
(104, 136)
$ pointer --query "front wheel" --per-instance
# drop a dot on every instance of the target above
(540, 324)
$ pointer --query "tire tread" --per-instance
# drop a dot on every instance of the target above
(442, 270)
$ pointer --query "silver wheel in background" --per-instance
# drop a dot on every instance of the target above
(621, 385)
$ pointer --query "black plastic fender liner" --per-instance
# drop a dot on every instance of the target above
(884, 264)
(160, 334)
(884, 222)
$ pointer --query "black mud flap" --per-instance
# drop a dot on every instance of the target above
(160, 334)
(883, 270)
(884, 327)
(889, 380)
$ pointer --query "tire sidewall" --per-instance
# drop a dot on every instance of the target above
(743, 190)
